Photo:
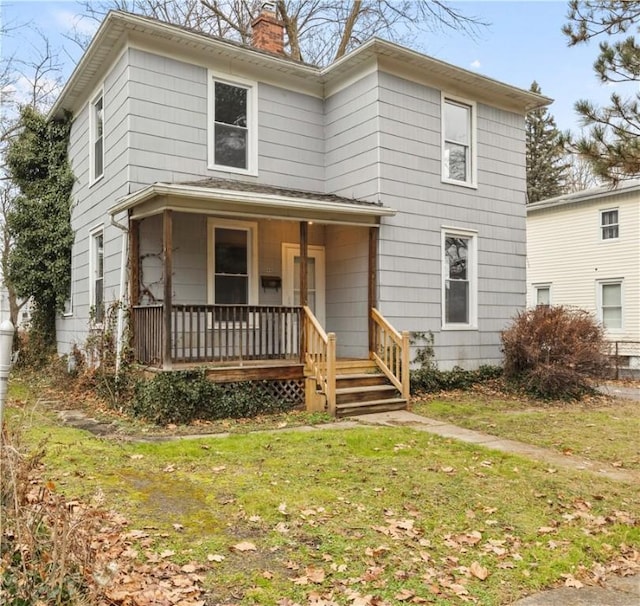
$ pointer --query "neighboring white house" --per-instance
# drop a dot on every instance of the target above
(583, 250)
(221, 187)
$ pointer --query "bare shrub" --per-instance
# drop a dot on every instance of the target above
(555, 352)
(46, 556)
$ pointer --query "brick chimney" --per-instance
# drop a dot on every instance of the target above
(267, 31)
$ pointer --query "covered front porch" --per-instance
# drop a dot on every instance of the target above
(261, 284)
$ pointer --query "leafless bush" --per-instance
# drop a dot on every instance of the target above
(45, 545)
(555, 352)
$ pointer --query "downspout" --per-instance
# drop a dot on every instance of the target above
(121, 296)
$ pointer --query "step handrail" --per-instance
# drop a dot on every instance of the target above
(320, 357)
(390, 352)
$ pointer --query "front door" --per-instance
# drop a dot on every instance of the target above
(315, 278)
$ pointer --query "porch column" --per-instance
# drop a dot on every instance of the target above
(304, 256)
(372, 283)
(167, 250)
(134, 261)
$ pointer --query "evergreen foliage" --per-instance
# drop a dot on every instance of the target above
(612, 143)
(546, 161)
(40, 220)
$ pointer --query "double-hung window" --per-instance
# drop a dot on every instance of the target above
(610, 304)
(232, 126)
(96, 127)
(96, 269)
(609, 229)
(232, 262)
(459, 279)
(458, 141)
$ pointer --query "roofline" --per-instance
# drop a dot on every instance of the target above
(586, 195)
(375, 45)
(248, 198)
(122, 22)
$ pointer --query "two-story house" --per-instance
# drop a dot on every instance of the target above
(273, 219)
(583, 251)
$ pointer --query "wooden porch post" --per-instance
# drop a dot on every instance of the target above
(372, 283)
(304, 257)
(134, 261)
(167, 249)
(304, 289)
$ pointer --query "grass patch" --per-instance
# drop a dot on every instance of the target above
(387, 512)
(598, 428)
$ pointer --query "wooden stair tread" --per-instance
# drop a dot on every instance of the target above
(365, 388)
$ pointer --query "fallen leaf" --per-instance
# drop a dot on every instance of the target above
(214, 557)
(478, 571)
(244, 546)
(404, 594)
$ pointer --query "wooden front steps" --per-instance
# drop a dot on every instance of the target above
(361, 388)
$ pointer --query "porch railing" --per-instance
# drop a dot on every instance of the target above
(391, 352)
(218, 333)
(320, 357)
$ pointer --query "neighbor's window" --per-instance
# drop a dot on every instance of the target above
(457, 141)
(232, 126)
(543, 295)
(97, 137)
(459, 279)
(609, 224)
(610, 299)
(97, 274)
(232, 245)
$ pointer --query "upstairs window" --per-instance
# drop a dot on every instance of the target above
(97, 138)
(609, 224)
(232, 132)
(458, 142)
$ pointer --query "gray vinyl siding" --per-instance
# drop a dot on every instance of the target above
(347, 291)
(351, 131)
(168, 101)
(410, 270)
(92, 200)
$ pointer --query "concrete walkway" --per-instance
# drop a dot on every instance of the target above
(446, 430)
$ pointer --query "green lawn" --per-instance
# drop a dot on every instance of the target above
(600, 428)
(333, 516)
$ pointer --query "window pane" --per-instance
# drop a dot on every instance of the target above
(455, 161)
(99, 300)
(542, 296)
(231, 290)
(612, 317)
(456, 251)
(457, 302)
(611, 295)
(456, 123)
(230, 146)
(230, 251)
(610, 217)
(610, 233)
(231, 104)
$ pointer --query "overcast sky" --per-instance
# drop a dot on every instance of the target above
(522, 43)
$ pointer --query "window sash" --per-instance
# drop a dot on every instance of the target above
(231, 265)
(459, 280)
(609, 224)
(231, 124)
(543, 295)
(97, 269)
(97, 133)
(611, 305)
(457, 141)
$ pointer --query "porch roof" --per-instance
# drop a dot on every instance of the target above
(240, 198)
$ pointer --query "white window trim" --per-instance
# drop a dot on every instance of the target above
(542, 286)
(601, 226)
(93, 178)
(473, 156)
(473, 277)
(252, 228)
(92, 268)
(599, 285)
(252, 123)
